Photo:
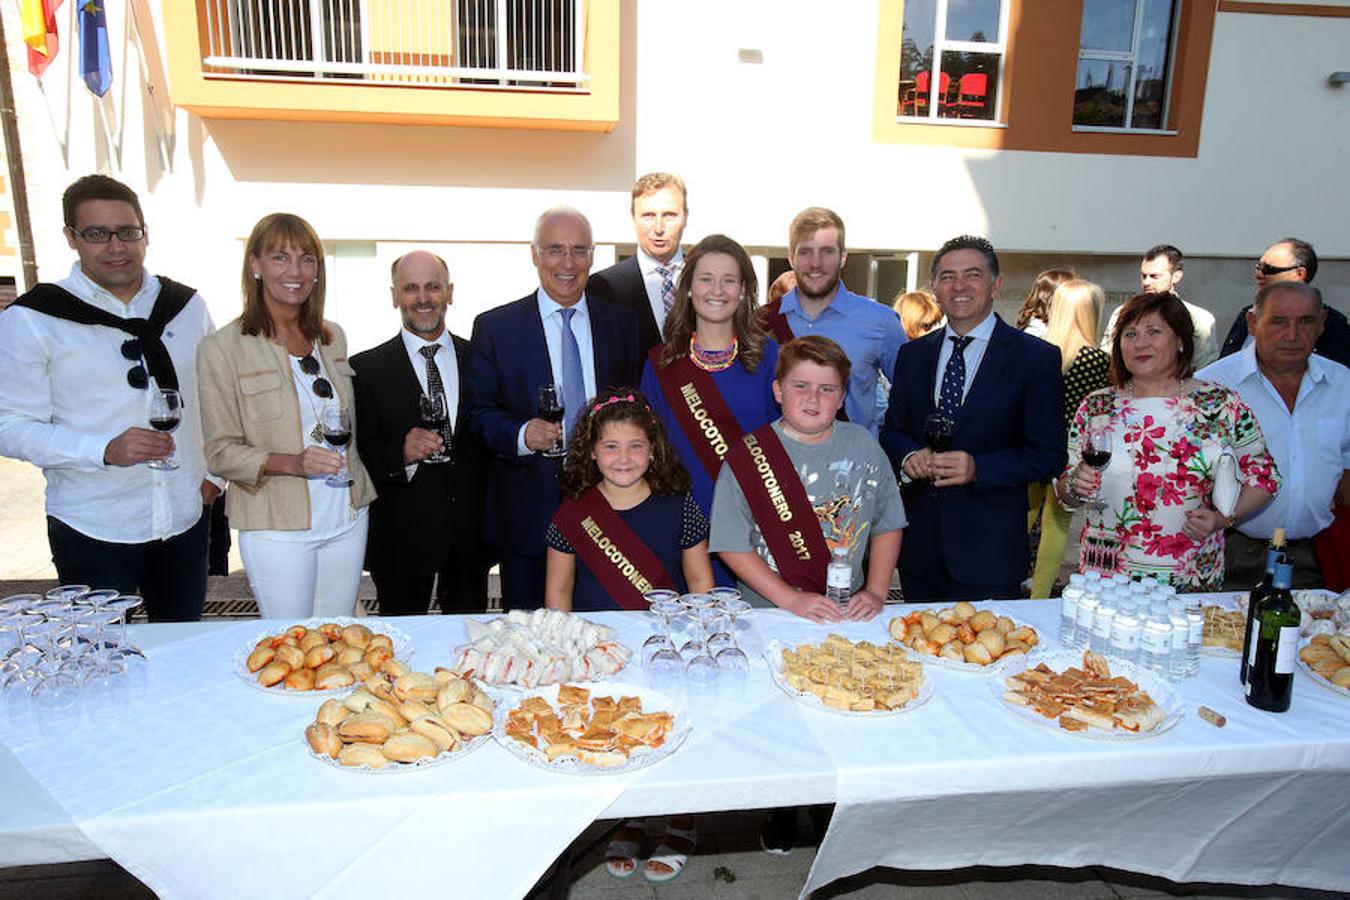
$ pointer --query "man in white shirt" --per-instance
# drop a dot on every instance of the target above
(1160, 272)
(646, 281)
(425, 524)
(81, 358)
(1302, 402)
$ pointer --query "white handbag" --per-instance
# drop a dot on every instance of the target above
(1227, 485)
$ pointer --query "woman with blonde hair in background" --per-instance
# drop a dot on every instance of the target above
(1075, 308)
(1034, 316)
(919, 313)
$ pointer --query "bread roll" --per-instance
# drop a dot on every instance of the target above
(381, 686)
(445, 676)
(395, 668)
(370, 727)
(317, 656)
(378, 655)
(323, 739)
(357, 636)
(415, 709)
(457, 691)
(978, 654)
(338, 678)
(983, 619)
(482, 700)
(1005, 624)
(311, 640)
(332, 712)
(363, 754)
(409, 747)
(1026, 634)
(300, 680)
(416, 686)
(273, 673)
(942, 634)
(437, 731)
(296, 632)
(360, 670)
(380, 640)
(260, 657)
(964, 610)
(467, 719)
(928, 621)
(350, 656)
(291, 656)
(993, 639)
(897, 629)
(953, 650)
(1341, 677)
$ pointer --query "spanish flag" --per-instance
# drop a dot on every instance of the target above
(39, 33)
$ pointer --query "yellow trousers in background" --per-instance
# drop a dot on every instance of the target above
(1055, 521)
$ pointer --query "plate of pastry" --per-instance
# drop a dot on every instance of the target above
(321, 656)
(963, 637)
(851, 678)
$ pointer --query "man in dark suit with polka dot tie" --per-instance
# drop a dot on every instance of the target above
(1002, 394)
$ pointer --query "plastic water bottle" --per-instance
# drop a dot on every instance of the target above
(839, 577)
(1155, 644)
(1087, 612)
(1068, 611)
(1100, 639)
(1120, 580)
(1126, 631)
(1092, 580)
(1181, 630)
(1195, 633)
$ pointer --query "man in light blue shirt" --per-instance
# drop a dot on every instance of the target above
(1302, 402)
(869, 332)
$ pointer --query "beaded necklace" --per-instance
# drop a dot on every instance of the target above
(712, 360)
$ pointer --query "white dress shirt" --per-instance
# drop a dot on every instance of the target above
(652, 280)
(64, 396)
(973, 355)
(550, 312)
(1311, 445)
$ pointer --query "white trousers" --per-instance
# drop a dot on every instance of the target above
(307, 577)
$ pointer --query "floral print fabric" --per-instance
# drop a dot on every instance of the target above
(1162, 458)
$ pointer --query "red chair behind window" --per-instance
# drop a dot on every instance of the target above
(971, 95)
(916, 103)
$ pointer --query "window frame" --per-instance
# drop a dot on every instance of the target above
(1132, 58)
(941, 46)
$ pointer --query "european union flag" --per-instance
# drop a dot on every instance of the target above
(95, 60)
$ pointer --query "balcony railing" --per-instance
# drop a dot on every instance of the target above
(521, 44)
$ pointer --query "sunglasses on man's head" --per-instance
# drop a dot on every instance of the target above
(310, 366)
(137, 377)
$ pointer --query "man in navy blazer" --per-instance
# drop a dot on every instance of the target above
(1003, 392)
(645, 282)
(518, 347)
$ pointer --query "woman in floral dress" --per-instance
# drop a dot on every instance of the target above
(1167, 431)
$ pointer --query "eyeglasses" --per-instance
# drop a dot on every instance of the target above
(310, 366)
(136, 375)
(1267, 269)
(556, 252)
(97, 235)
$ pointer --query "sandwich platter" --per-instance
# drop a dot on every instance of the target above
(580, 730)
(401, 646)
(905, 679)
(1169, 707)
(530, 649)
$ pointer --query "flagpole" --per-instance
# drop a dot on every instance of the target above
(18, 184)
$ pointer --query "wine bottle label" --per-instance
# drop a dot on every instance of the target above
(1286, 650)
(1251, 645)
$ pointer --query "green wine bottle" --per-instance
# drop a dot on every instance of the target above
(1270, 663)
(1274, 551)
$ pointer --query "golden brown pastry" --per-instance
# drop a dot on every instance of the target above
(409, 746)
(363, 754)
(323, 739)
(437, 731)
(260, 657)
(273, 673)
(339, 678)
(300, 680)
(416, 686)
(358, 636)
(291, 656)
(332, 712)
(369, 727)
(467, 719)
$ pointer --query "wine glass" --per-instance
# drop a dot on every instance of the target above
(115, 632)
(1097, 453)
(661, 638)
(67, 592)
(937, 433)
(732, 662)
(721, 637)
(664, 667)
(696, 604)
(165, 409)
(551, 409)
(337, 431)
(434, 416)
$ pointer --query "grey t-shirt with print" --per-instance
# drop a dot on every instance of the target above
(850, 485)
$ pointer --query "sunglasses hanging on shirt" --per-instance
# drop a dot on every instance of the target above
(137, 377)
(310, 366)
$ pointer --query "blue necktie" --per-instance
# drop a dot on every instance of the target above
(574, 383)
(954, 379)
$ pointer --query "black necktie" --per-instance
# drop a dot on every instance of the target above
(436, 386)
(954, 379)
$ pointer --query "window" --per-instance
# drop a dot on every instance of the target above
(1124, 64)
(951, 59)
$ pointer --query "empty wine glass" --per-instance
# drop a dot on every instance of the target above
(732, 662)
(164, 409)
(18, 603)
(698, 606)
(337, 431)
(434, 416)
(67, 592)
(662, 636)
(720, 637)
(115, 633)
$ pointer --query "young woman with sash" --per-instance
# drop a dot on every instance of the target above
(627, 524)
(712, 380)
(793, 491)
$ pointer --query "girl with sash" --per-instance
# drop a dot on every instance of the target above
(712, 380)
(627, 524)
(793, 492)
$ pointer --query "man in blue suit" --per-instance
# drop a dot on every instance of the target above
(555, 335)
(1002, 393)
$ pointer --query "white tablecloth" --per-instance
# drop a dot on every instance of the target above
(200, 785)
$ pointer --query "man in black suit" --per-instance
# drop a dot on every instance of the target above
(646, 282)
(425, 524)
(556, 335)
(1292, 259)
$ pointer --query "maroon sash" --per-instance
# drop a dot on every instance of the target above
(781, 508)
(625, 566)
(772, 318)
(700, 410)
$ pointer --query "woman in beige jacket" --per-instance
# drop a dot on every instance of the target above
(264, 382)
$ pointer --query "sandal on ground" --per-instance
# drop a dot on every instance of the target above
(673, 852)
(622, 854)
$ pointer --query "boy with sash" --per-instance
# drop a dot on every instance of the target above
(793, 491)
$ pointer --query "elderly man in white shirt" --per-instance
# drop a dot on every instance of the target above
(1302, 402)
(81, 359)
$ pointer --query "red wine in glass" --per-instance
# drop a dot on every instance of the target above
(1096, 458)
(165, 409)
(1097, 454)
(937, 433)
(434, 415)
(551, 409)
